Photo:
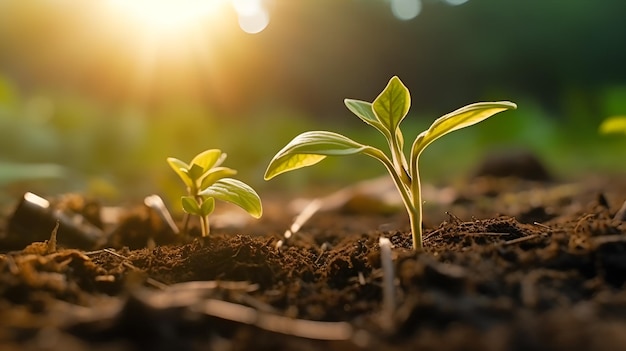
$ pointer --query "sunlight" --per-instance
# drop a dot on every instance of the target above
(166, 15)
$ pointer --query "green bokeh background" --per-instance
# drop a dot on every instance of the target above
(72, 120)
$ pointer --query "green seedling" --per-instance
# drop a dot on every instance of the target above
(207, 180)
(385, 114)
(615, 124)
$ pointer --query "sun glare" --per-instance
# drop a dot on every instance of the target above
(167, 15)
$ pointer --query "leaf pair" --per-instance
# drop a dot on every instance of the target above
(202, 171)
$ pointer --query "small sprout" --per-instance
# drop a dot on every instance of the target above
(385, 114)
(615, 124)
(207, 180)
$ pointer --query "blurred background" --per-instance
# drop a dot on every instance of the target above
(94, 95)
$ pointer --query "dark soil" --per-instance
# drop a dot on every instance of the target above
(512, 265)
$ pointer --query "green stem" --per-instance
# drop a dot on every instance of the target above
(204, 223)
(414, 211)
(399, 161)
(416, 193)
(416, 217)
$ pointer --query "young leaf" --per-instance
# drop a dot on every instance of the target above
(461, 118)
(216, 174)
(613, 125)
(178, 166)
(196, 172)
(190, 205)
(392, 105)
(207, 207)
(236, 192)
(310, 148)
(207, 159)
(365, 112)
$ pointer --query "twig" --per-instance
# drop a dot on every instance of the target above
(331, 331)
(389, 298)
(520, 240)
(52, 243)
(541, 225)
(155, 202)
(581, 220)
(302, 218)
(621, 213)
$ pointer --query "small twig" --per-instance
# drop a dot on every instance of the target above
(607, 239)
(621, 213)
(155, 202)
(581, 220)
(484, 233)
(13, 267)
(520, 240)
(389, 298)
(302, 218)
(315, 330)
(541, 225)
(325, 247)
(213, 285)
(52, 243)
(361, 278)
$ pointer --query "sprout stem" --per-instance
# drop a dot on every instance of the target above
(204, 223)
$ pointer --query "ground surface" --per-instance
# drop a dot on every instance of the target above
(513, 265)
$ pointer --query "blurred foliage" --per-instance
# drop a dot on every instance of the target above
(80, 103)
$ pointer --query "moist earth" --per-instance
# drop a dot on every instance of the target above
(508, 264)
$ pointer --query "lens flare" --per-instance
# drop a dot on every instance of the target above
(166, 15)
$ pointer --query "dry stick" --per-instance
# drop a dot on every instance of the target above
(389, 298)
(581, 220)
(304, 216)
(155, 202)
(522, 239)
(52, 243)
(337, 331)
(621, 213)
(607, 239)
(541, 225)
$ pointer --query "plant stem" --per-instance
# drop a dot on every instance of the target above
(415, 213)
(204, 223)
(416, 194)
(399, 161)
(413, 209)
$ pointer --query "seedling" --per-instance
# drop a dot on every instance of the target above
(206, 181)
(385, 114)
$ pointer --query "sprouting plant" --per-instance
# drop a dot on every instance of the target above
(384, 114)
(616, 124)
(207, 180)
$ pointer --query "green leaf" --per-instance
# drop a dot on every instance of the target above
(615, 124)
(196, 172)
(190, 205)
(236, 192)
(207, 207)
(207, 159)
(180, 168)
(392, 105)
(461, 118)
(216, 174)
(310, 148)
(365, 112)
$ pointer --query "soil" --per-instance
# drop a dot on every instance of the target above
(508, 264)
